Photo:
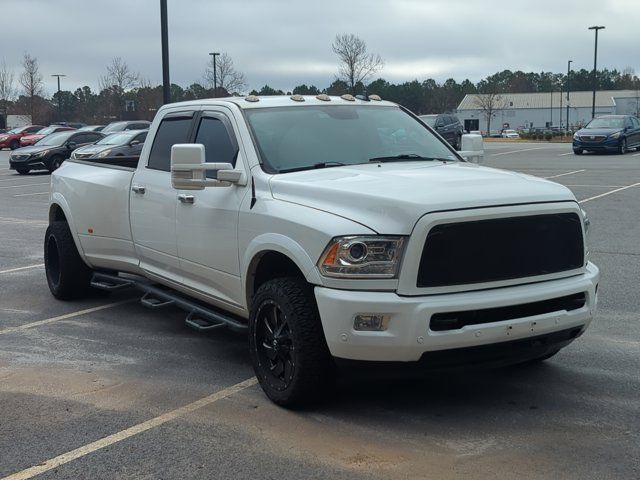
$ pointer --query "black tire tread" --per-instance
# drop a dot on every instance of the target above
(315, 370)
(75, 275)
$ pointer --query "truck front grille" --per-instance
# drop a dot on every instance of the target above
(501, 249)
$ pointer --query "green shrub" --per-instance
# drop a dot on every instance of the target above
(548, 136)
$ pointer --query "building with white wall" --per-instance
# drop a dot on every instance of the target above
(540, 110)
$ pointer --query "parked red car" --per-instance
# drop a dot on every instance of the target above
(11, 139)
(31, 139)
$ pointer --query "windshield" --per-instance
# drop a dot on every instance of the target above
(55, 139)
(116, 139)
(113, 127)
(17, 130)
(429, 119)
(307, 136)
(606, 123)
(46, 131)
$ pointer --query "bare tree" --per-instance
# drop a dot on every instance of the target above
(356, 65)
(119, 76)
(7, 89)
(227, 77)
(31, 82)
(118, 79)
(489, 104)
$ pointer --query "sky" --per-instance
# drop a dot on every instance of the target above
(285, 43)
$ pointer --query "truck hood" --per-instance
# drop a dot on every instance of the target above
(389, 198)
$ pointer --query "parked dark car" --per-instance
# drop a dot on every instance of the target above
(126, 125)
(448, 127)
(121, 144)
(51, 151)
(608, 133)
(91, 128)
(40, 134)
(11, 139)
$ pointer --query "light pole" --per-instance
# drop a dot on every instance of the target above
(568, 89)
(215, 73)
(595, 60)
(164, 33)
(59, 98)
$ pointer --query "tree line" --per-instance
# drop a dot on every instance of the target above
(125, 94)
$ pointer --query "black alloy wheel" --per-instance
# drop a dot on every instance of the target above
(623, 146)
(22, 171)
(55, 163)
(14, 144)
(577, 151)
(275, 347)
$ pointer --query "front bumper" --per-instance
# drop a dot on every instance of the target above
(32, 163)
(607, 145)
(408, 336)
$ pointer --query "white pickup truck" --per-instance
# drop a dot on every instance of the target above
(332, 229)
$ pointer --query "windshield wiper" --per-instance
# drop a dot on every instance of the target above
(314, 166)
(407, 156)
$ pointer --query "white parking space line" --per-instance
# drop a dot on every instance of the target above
(517, 151)
(594, 186)
(22, 221)
(636, 155)
(29, 194)
(18, 186)
(563, 154)
(11, 270)
(608, 193)
(563, 174)
(63, 317)
(129, 432)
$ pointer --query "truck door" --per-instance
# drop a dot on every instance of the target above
(207, 220)
(153, 199)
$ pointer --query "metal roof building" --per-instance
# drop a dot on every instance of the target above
(546, 109)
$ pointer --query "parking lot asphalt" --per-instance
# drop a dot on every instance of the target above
(104, 388)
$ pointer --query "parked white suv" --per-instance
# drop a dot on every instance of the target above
(332, 229)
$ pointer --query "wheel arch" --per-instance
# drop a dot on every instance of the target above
(59, 211)
(271, 256)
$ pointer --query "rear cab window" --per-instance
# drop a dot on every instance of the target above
(174, 128)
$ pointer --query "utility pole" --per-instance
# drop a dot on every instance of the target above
(164, 33)
(59, 98)
(560, 106)
(215, 73)
(551, 109)
(568, 88)
(595, 61)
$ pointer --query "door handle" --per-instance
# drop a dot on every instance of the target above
(138, 189)
(186, 198)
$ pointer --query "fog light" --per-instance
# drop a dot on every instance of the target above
(370, 322)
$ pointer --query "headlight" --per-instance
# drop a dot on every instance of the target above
(615, 135)
(576, 136)
(3, 138)
(362, 257)
(104, 153)
(40, 154)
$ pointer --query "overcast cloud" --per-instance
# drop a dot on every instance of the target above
(287, 43)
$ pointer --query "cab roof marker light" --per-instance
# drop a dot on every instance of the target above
(348, 98)
(252, 98)
(297, 98)
(375, 98)
(324, 97)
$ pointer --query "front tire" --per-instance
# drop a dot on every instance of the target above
(54, 164)
(15, 144)
(67, 275)
(287, 345)
(577, 151)
(22, 171)
(622, 149)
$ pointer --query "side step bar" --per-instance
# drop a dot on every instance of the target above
(199, 318)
